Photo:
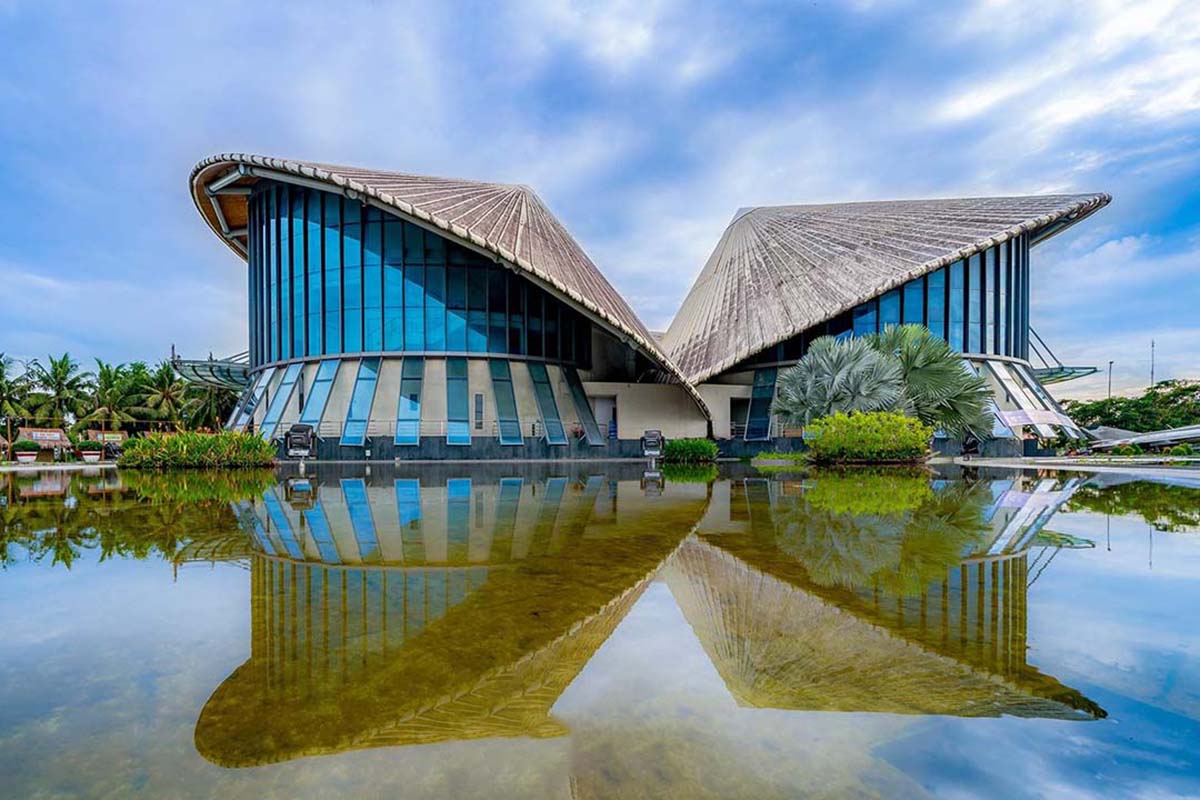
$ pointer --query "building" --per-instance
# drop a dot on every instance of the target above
(405, 316)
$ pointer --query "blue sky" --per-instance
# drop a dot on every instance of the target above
(644, 125)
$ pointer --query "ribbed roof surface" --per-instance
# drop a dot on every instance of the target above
(509, 221)
(779, 270)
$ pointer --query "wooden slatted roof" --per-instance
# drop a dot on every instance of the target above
(507, 221)
(779, 270)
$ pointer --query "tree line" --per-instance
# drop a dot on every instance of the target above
(1166, 404)
(59, 393)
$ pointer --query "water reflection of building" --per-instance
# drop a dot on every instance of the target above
(393, 611)
(389, 612)
(956, 645)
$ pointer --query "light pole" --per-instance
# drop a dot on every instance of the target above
(1110, 380)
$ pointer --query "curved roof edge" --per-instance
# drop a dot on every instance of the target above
(631, 329)
(1084, 206)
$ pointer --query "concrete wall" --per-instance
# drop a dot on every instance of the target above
(717, 397)
(645, 406)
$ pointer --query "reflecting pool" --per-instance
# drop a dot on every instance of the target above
(581, 631)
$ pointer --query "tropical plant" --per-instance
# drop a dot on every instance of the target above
(872, 436)
(62, 390)
(838, 376)
(166, 395)
(89, 446)
(14, 389)
(1166, 404)
(116, 397)
(25, 446)
(690, 451)
(938, 387)
(194, 450)
(209, 406)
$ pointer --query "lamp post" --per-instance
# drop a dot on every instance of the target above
(1110, 380)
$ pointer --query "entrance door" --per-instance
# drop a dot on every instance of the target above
(739, 410)
(606, 415)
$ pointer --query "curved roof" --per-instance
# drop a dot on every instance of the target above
(508, 221)
(779, 270)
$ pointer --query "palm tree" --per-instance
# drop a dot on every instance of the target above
(939, 388)
(209, 406)
(63, 389)
(166, 394)
(14, 390)
(115, 397)
(838, 375)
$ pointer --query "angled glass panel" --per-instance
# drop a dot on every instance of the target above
(587, 418)
(354, 492)
(283, 395)
(758, 420)
(318, 395)
(507, 502)
(408, 412)
(546, 404)
(260, 388)
(249, 521)
(354, 432)
(866, 318)
(458, 518)
(458, 402)
(914, 302)
(506, 403)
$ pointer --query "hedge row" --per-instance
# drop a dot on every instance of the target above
(197, 450)
(876, 436)
(690, 451)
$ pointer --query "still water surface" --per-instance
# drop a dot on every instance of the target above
(577, 631)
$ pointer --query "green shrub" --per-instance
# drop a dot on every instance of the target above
(873, 436)
(1127, 450)
(197, 450)
(690, 451)
(89, 445)
(25, 446)
(690, 473)
(1181, 450)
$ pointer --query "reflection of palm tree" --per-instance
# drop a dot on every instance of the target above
(899, 550)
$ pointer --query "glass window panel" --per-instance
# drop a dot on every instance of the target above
(957, 305)
(408, 415)
(414, 244)
(435, 306)
(516, 315)
(533, 322)
(285, 273)
(477, 288)
(358, 506)
(414, 307)
(435, 248)
(914, 302)
(373, 281)
(477, 331)
(1002, 344)
(458, 401)
(758, 420)
(583, 407)
(246, 413)
(456, 309)
(478, 415)
(313, 236)
(273, 274)
(975, 304)
(283, 394)
(393, 240)
(354, 432)
(393, 307)
(299, 291)
(506, 403)
(551, 328)
(889, 309)
(497, 305)
(991, 270)
(935, 302)
(548, 407)
(318, 394)
(865, 319)
(352, 241)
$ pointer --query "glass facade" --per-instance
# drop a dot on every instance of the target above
(318, 396)
(506, 402)
(979, 305)
(354, 432)
(458, 402)
(329, 275)
(408, 412)
(758, 421)
(551, 421)
(283, 393)
(583, 408)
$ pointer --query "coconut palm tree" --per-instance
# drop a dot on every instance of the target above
(14, 390)
(838, 375)
(63, 389)
(116, 396)
(939, 388)
(166, 394)
(209, 406)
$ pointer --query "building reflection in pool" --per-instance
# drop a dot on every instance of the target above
(409, 610)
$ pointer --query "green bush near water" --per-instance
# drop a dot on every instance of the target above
(873, 436)
(690, 451)
(197, 450)
(1181, 450)
(88, 446)
(25, 446)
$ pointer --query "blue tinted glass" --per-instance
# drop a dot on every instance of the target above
(506, 404)
(914, 302)
(318, 394)
(313, 236)
(285, 273)
(373, 282)
(408, 415)
(583, 407)
(889, 309)
(865, 317)
(935, 305)
(393, 307)
(354, 493)
(975, 306)
(758, 420)
(333, 268)
(957, 305)
(1002, 344)
(991, 269)
(414, 307)
(547, 405)
(458, 403)
(414, 244)
(283, 394)
(435, 306)
(299, 291)
(393, 241)
(354, 432)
